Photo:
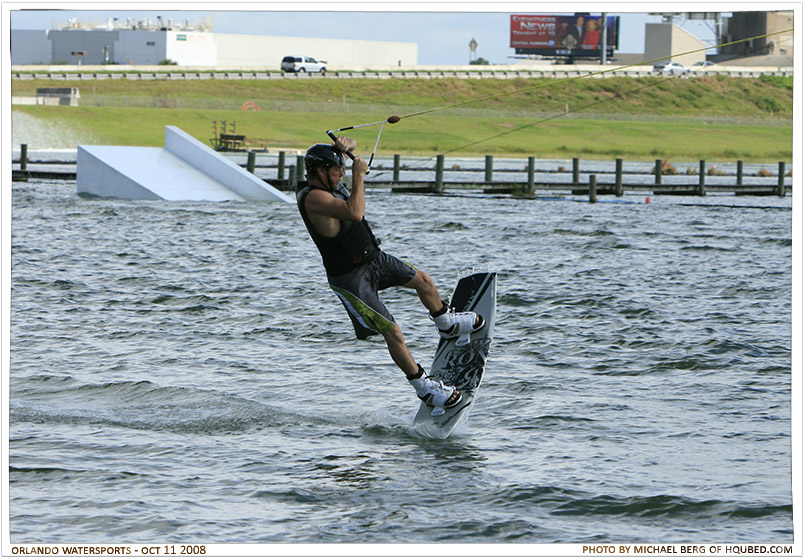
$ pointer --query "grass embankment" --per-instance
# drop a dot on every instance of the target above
(436, 132)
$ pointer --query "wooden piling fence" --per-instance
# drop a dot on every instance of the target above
(299, 168)
(439, 177)
(280, 170)
(527, 187)
(701, 178)
(489, 168)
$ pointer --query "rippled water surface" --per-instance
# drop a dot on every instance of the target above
(180, 371)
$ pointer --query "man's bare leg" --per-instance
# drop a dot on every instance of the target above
(425, 388)
(400, 352)
(428, 294)
(427, 291)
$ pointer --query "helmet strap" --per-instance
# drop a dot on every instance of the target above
(327, 180)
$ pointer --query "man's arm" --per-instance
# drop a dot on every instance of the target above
(322, 203)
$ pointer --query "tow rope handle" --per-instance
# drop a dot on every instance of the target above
(349, 153)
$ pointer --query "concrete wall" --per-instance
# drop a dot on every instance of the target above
(247, 50)
(254, 50)
(753, 24)
(201, 49)
(781, 44)
(663, 39)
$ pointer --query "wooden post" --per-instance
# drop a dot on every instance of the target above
(280, 171)
(396, 167)
(24, 156)
(739, 173)
(576, 170)
(299, 168)
(618, 178)
(780, 184)
(658, 171)
(531, 168)
(252, 157)
(592, 188)
(701, 177)
(489, 167)
(292, 177)
(439, 178)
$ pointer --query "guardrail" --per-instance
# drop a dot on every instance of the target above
(639, 71)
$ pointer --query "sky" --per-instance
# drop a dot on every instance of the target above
(442, 31)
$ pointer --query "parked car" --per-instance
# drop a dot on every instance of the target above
(671, 68)
(703, 66)
(303, 64)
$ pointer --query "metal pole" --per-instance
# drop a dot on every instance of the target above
(603, 39)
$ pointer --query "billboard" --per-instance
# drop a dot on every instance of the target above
(577, 35)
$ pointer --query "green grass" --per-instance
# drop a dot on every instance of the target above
(436, 132)
(710, 95)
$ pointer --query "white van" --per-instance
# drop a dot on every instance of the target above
(303, 64)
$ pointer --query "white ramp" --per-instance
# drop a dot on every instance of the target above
(185, 169)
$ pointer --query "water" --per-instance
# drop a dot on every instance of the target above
(180, 372)
(45, 134)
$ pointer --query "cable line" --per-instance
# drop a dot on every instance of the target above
(601, 72)
(561, 114)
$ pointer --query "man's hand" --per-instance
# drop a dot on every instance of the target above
(359, 167)
(344, 144)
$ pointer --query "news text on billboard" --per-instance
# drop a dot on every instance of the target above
(562, 35)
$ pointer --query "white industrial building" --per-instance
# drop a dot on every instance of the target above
(666, 39)
(186, 45)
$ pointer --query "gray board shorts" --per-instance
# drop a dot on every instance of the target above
(359, 289)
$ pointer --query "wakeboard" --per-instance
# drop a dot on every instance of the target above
(462, 366)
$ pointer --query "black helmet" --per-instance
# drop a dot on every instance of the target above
(322, 155)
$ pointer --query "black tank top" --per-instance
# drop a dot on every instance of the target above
(353, 246)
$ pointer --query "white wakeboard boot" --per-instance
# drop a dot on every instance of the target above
(434, 393)
(451, 324)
